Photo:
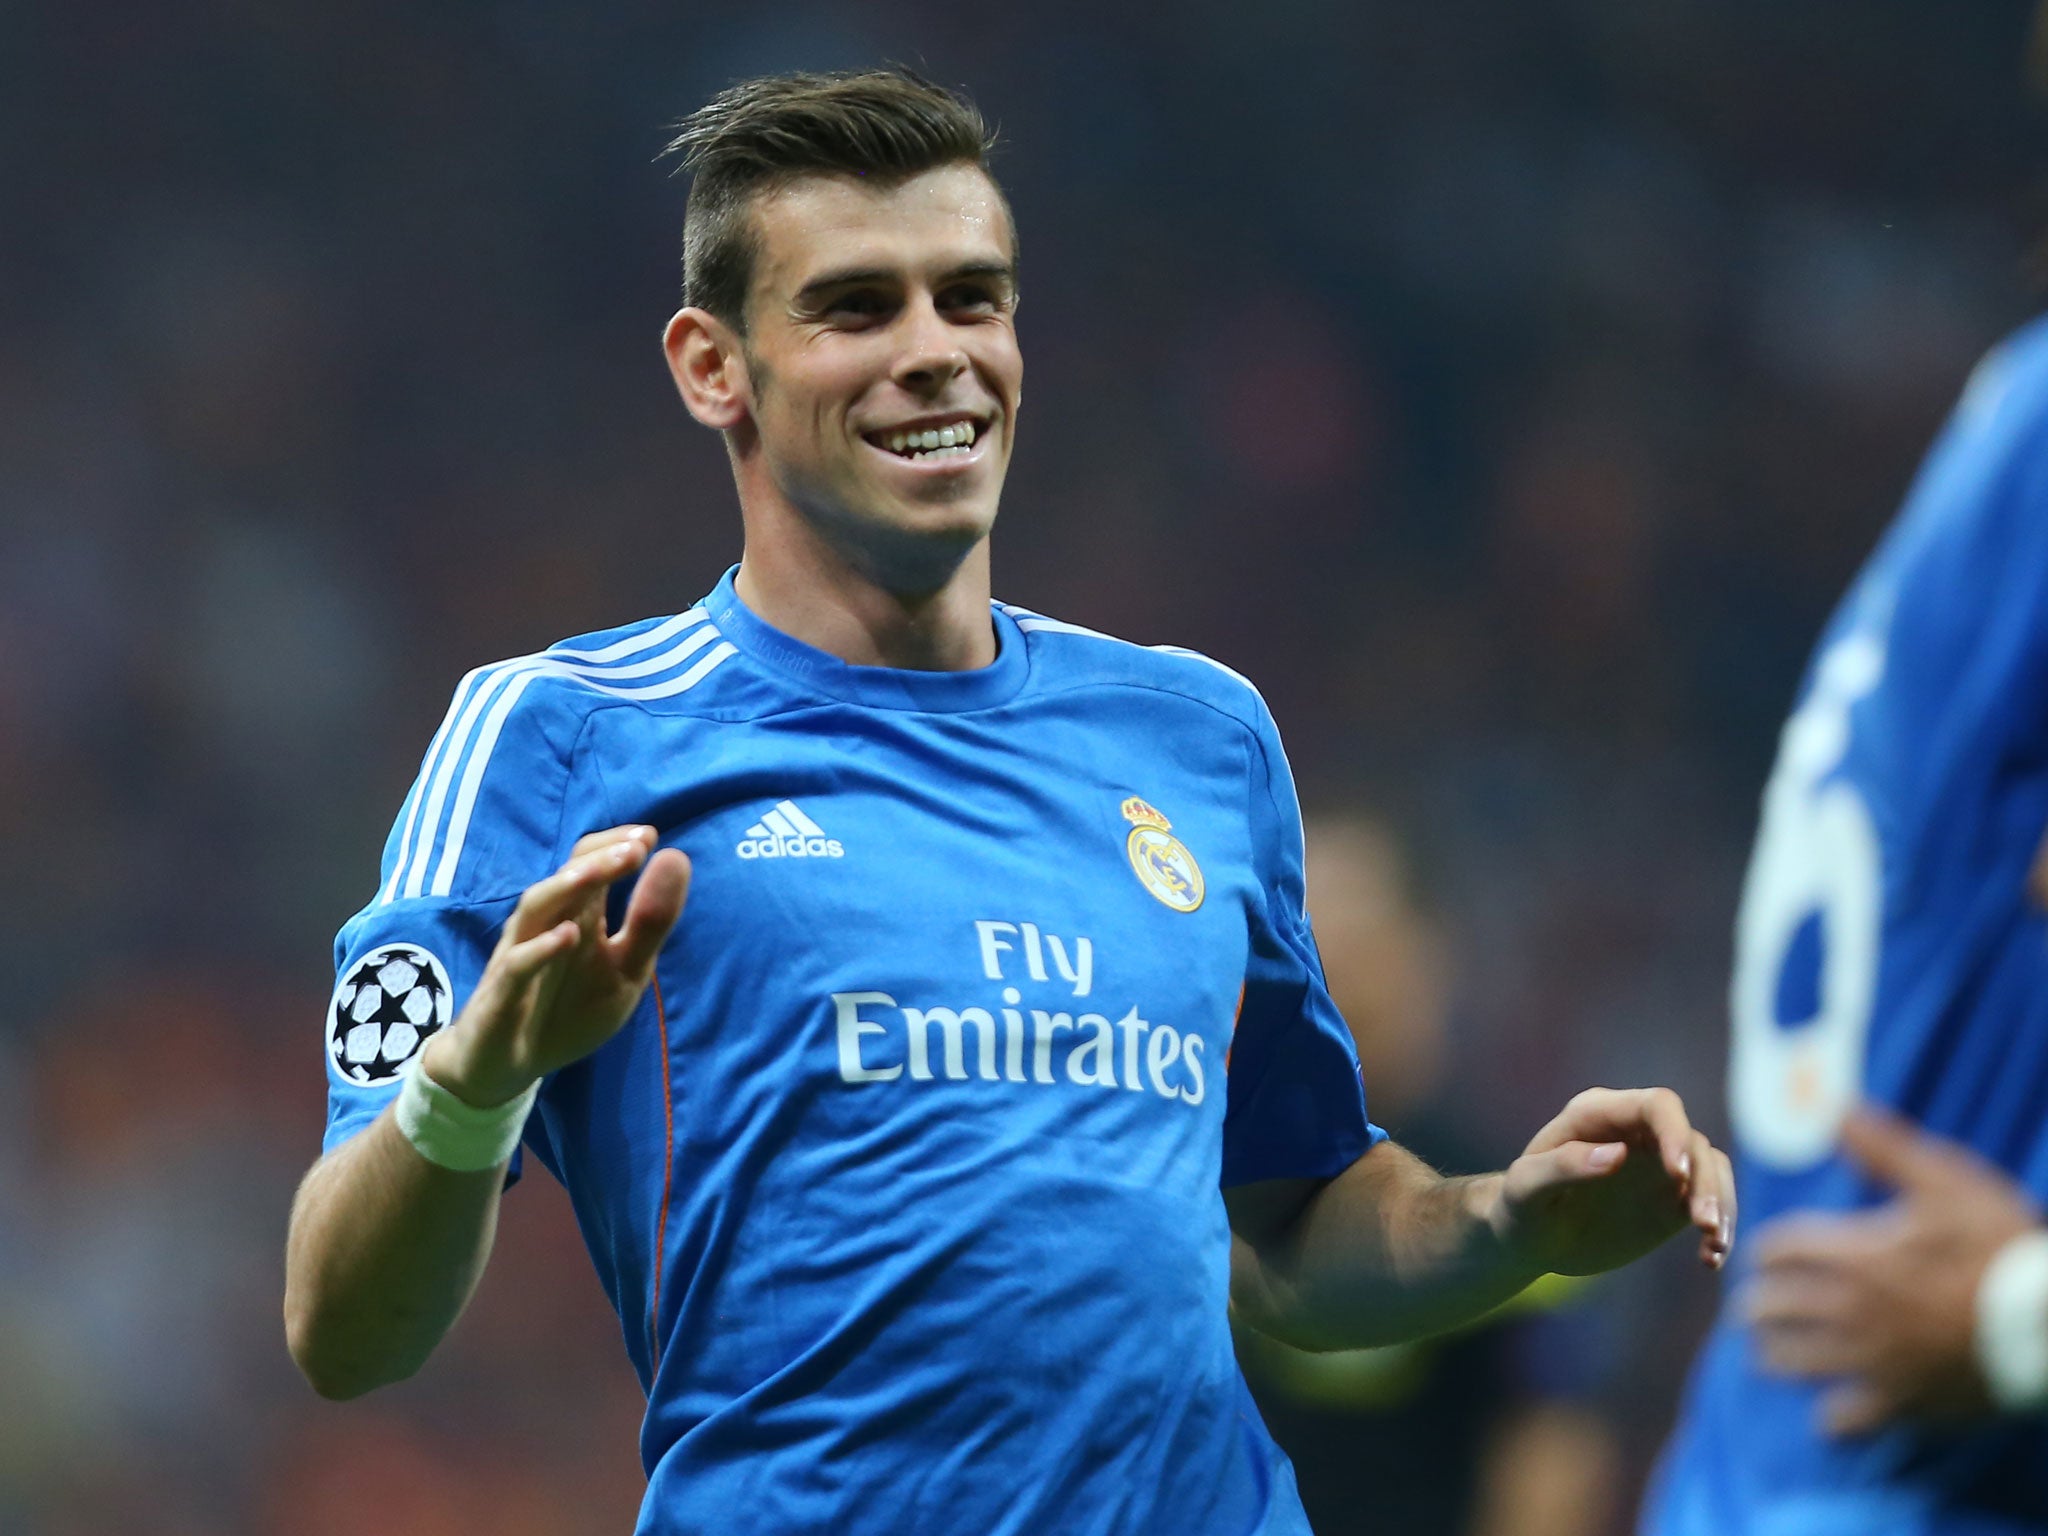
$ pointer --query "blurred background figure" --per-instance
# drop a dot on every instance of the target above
(1509, 391)
(1880, 1361)
(1499, 1430)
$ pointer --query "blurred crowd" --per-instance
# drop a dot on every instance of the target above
(1508, 390)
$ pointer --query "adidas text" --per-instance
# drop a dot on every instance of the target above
(791, 848)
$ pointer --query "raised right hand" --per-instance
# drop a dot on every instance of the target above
(558, 986)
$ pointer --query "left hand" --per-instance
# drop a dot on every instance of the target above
(1885, 1300)
(1614, 1175)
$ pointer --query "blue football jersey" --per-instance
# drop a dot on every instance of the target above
(1886, 949)
(905, 1178)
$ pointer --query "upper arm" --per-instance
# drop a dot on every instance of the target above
(484, 819)
(1261, 1213)
(1296, 1102)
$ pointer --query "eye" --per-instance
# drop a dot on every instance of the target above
(977, 298)
(860, 304)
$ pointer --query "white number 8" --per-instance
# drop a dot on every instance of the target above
(1817, 857)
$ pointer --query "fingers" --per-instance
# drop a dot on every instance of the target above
(1888, 1147)
(1858, 1408)
(1805, 1324)
(651, 914)
(1654, 1115)
(1663, 1113)
(526, 959)
(594, 842)
(1712, 1205)
(571, 891)
(1803, 1303)
(1893, 1149)
(1799, 1302)
(1573, 1163)
(1804, 1352)
(1833, 1241)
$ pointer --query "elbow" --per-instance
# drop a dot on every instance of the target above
(1293, 1330)
(1259, 1304)
(334, 1373)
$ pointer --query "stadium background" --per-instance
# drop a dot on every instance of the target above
(1509, 390)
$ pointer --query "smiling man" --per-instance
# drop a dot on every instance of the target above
(993, 1059)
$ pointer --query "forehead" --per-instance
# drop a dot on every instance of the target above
(938, 219)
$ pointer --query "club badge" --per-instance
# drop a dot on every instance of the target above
(1162, 862)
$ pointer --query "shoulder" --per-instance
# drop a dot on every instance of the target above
(552, 691)
(2007, 393)
(486, 809)
(1072, 655)
(1978, 491)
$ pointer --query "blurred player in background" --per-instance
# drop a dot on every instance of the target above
(993, 1054)
(1497, 1430)
(1880, 1366)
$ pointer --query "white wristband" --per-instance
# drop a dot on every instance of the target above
(2012, 1324)
(455, 1135)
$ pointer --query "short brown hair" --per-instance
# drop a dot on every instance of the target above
(760, 134)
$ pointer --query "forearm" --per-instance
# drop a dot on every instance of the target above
(384, 1251)
(1387, 1250)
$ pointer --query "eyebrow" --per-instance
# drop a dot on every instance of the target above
(846, 277)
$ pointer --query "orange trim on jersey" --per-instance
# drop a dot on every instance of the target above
(1233, 1027)
(668, 1168)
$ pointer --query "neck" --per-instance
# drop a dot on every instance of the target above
(811, 592)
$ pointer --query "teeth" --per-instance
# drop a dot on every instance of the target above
(931, 439)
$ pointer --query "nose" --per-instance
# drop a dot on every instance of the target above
(932, 355)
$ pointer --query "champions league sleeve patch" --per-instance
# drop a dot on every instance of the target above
(389, 1004)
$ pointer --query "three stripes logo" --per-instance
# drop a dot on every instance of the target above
(787, 833)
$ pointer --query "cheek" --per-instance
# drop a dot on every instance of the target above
(1002, 364)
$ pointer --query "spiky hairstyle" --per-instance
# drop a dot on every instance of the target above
(759, 135)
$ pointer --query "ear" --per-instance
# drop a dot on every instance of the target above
(709, 366)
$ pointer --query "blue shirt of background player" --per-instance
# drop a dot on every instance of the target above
(1913, 789)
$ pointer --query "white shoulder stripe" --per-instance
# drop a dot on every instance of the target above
(1054, 626)
(1031, 622)
(1181, 650)
(430, 767)
(446, 752)
(479, 758)
(632, 645)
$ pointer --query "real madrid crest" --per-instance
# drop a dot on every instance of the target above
(1161, 860)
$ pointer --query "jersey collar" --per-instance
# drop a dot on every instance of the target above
(875, 687)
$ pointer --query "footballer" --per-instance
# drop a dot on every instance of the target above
(991, 1062)
(1881, 1364)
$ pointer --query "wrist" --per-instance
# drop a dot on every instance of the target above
(453, 1134)
(449, 1064)
(2011, 1338)
(1486, 1202)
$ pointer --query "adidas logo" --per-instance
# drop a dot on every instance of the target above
(787, 833)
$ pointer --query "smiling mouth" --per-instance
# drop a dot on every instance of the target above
(954, 440)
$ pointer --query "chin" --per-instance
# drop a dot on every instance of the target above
(916, 548)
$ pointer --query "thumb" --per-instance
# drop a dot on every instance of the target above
(1856, 1408)
(1576, 1162)
(1892, 1149)
(656, 903)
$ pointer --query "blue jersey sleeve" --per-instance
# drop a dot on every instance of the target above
(485, 819)
(1297, 1104)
